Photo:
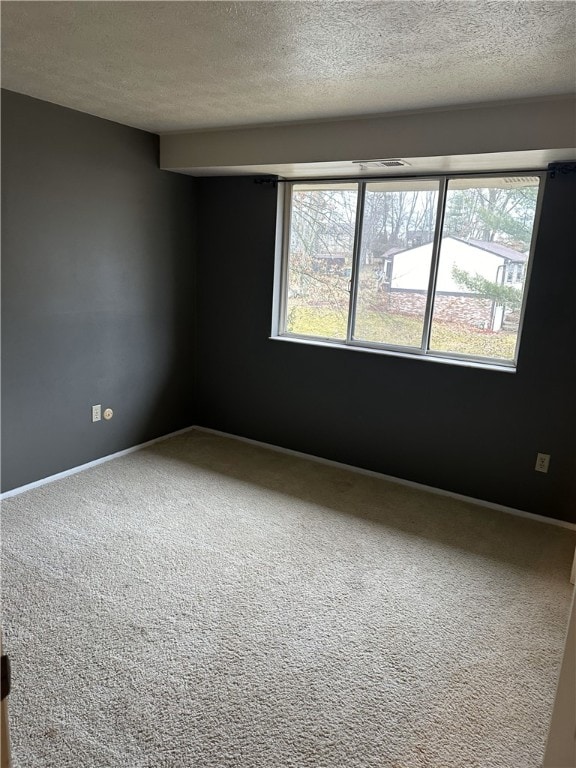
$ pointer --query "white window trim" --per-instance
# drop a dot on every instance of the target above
(279, 305)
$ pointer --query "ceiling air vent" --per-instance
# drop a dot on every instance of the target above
(393, 162)
(520, 181)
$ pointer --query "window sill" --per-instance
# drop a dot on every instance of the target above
(429, 357)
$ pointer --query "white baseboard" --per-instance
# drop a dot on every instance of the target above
(398, 480)
(299, 454)
(82, 467)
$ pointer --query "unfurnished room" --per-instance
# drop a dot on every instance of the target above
(288, 471)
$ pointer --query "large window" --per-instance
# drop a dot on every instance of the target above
(432, 266)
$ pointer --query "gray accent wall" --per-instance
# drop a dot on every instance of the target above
(97, 289)
(151, 293)
(470, 431)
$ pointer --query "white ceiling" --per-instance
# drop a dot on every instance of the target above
(177, 66)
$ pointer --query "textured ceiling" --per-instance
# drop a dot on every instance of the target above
(175, 66)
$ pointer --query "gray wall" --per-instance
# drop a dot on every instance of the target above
(97, 273)
(99, 299)
(471, 431)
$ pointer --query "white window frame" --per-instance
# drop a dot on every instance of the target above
(279, 308)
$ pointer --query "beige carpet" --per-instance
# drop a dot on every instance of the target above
(204, 603)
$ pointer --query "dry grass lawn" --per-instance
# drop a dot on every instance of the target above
(402, 330)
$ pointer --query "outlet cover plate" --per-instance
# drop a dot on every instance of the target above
(542, 462)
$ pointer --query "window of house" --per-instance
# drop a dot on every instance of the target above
(432, 267)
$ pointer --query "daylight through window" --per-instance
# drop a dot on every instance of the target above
(429, 266)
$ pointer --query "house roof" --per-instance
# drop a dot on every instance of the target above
(498, 249)
(390, 252)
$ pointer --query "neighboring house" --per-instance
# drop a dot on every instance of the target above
(331, 263)
(405, 275)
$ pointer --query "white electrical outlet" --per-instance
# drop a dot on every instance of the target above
(96, 412)
(542, 462)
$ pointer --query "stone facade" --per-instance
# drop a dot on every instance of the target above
(467, 310)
